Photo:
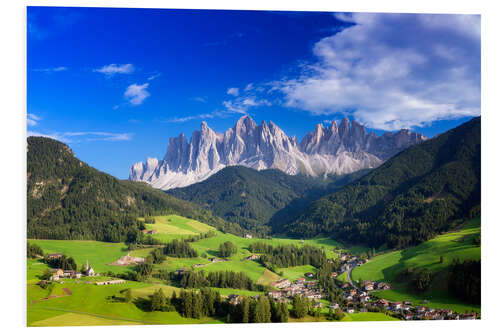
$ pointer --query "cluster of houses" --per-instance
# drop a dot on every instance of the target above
(59, 273)
(71, 274)
(360, 300)
(370, 285)
(301, 287)
(410, 312)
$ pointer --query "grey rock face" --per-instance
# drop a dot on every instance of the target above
(326, 150)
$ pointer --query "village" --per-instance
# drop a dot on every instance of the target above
(354, 298)
(58, 274)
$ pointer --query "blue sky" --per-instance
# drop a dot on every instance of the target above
(116, 84)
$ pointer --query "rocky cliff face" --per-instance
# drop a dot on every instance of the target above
(326, 150)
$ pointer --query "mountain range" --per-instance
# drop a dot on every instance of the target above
(68, 199)
(425, 190)
(337, 149)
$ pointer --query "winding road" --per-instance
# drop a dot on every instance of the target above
(349, 278)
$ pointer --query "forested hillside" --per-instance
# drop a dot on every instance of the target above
(257, 199)
(425, 190)
(67, 199)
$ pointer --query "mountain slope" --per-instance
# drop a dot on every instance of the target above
(252, 198)
(326, 150)
(67, 199)
(424, 190)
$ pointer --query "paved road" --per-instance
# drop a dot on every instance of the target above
(349, 279)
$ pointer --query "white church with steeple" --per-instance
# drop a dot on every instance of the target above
(89, 271)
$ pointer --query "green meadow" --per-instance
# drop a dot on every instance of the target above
(172, 226)
(293, 273)
(99, 302)
(386, 267)
(368, 316)
(99, 254)
(89, 304)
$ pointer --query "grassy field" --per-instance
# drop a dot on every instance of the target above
(342, 277)
(172, 226)
(89, 304)
(77, 319)
(368, 316)
(99, 254)
(150, 289)
(98, 302)
(177, 225)
(268, 277)
(253, 269)
(293, 273)
(457, 244)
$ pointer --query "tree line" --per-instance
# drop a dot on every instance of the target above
(219, 279)
(63, 262)
(209, 303)
(288, 255)
(465, 280)
(180, 249)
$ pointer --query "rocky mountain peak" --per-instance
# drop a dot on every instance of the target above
(344, 127)
(337, 150)
(333, 127)
(244, 125)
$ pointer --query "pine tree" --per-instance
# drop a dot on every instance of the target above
(300, 307)
(158, 300)
(128, 296)
(284, 312)
(245, 310)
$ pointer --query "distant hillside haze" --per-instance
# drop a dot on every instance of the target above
(67, 199)
(257, 199)
(425, 190)
(337, 149)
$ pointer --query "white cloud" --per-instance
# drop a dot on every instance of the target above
(233, 91)
(211, 115)
(154, 76)
(200, 99)
(97, 136)
(84, 136)
(239, 105)
(54, 136)
(242, 104)
(113, 69)
(393, 70)
(50, 70)
(32, 119)
(136, 94)
(249, 87)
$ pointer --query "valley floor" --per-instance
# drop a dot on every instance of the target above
(78, 302)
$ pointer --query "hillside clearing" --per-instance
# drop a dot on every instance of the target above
(458, 244)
